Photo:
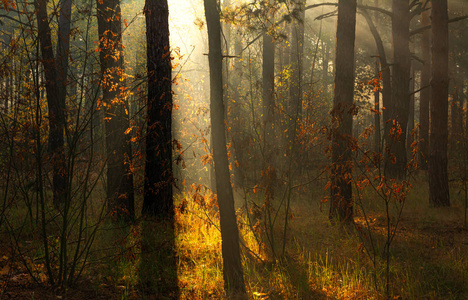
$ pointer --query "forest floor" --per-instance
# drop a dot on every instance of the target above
(428, 256)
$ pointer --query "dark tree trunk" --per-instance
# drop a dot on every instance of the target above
(269, 137)
(268, 68)
(56, 110)
(425, 95)
(396, 168)
(120, 195)
(438, 176)
(297, 52)
(457, 106)
(158, 168)
(158, 245)
(63, 48)
(341, 200)
(462, 104)
(377, 136)
(325, 60)
(232, 265)
(409, 131)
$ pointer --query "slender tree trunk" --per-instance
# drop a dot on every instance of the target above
(268, 67)
(297, 53)
(235, 115)
(462, 104)
(120, 195)
(341, 204)
(56, 110)
(387, 85)
(325, 60)
(409, 131)
(63, 48)
(377, 134)
(232, 265)
(457, 106)
(438, 176)
(425, 94)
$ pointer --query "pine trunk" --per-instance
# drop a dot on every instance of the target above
(438, 176)
(341, 204)
(120, 195)
(232, 265)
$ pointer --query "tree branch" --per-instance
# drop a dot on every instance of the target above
(422, 29)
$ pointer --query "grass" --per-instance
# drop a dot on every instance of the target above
(429, 256)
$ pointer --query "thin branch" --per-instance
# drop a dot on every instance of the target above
(422, 29)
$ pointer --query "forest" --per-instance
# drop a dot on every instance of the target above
(233, 149)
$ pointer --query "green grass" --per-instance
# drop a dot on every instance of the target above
(429, 256)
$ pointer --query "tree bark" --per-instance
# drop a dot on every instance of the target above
(396, 168)
(158, 198)
(120, 195)
(386, 81)
(56, 110)
(425, 95)
(297, 53)
(232, 265)
(341, 200)
(63, 48)
(268, 67)
(438, 175)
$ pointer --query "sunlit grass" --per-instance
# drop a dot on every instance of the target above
(428, 258)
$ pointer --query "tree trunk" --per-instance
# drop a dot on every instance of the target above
(63, 48)
(297, 51)
(341, 200)
(158, 200)
(56, 110)
(377, 136)
(409, 131)
(235, 115)
(120, 195)
(457, 106)
(387, 84)
(232, 265)
(268, 67)
(438, 176)
(425, 94)
(325, 60)
(396, 168)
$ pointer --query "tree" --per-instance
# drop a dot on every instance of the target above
(232, 266)
(400, 89)
(56, 107)
(438, 176)
(425, 95)
(120, 195)
(268, 74)
(297, 53)
(386, 79)
(341, 202)
(158, 200)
